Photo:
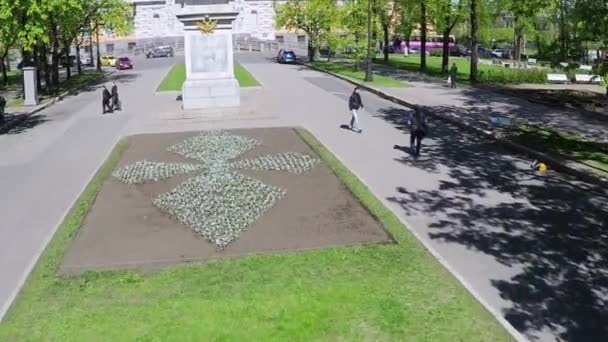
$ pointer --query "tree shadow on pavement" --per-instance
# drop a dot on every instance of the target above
(552, 227)
(25, 124)
(592, 128)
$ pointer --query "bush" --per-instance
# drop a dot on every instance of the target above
(506, 75)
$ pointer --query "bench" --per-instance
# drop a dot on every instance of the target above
(584, 78)
(557, 78)
(586, 67)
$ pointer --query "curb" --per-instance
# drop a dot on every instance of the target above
(555, 163)
(7, 127)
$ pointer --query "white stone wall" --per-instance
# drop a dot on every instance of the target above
(157, 21)
(256, 18)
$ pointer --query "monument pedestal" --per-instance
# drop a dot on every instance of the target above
(210, 81)
(218, 93)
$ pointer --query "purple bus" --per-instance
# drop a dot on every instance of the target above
(433, 42)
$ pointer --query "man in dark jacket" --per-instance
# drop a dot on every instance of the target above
(105, 101)
(115, 100)
(354, 103)
(418, 129)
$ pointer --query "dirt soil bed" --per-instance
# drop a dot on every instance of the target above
(124, 229)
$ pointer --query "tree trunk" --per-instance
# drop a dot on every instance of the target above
(78, 63)
(445, 60)
(386, 41)
(68, 68)
(8, 63)
(474, 33)
(519, 38)
(55, 56)
(47, 74)
(36, 54)
(422, 34)
(4, 71)
(91, 46)
(562, 31)
(97, 43)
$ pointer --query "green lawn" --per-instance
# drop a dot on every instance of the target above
(487, 73)
(176, 77)
(359, 74)
(562, 143)
(74, 83)
(385, 292)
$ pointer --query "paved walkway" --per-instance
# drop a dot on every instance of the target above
(533, 247)
(46, 161)
(474, 105)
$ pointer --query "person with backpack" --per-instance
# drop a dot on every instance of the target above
(106, 97)
(354, 103)
(115, 100)
(418, 129)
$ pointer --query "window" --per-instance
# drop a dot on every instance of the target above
(280, 39)
(301, 39)
(264, 35)
(109, 48)
(156, 16)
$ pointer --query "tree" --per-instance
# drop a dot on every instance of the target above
(387, 10)
(448, 14)
(315, 17)
(524, 12)
(10, 14)
(423, 21)
(474, 17)
(352, 23)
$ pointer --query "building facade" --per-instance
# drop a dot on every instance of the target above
(157, 18)
(156, 23)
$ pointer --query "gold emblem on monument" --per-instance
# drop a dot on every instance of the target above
(207, 26)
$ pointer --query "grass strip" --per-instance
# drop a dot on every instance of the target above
(359, 75)
(384, 292)
(176, 77)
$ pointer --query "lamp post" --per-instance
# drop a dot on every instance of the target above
(368, 66)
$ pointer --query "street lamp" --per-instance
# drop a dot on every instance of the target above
(368, 66)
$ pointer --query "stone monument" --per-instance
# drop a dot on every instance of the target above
(30, 86)
(210, 81)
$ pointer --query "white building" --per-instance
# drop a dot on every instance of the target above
(156, 18)
(155, 23)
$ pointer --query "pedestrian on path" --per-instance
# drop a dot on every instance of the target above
(115, 99)
(453, 74)
(418, 129)
(106, 97)
(354, 103)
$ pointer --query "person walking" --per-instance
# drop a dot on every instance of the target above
(105, 100)
(418, 130)
(115, 99)
(354, 103)
(453, 74)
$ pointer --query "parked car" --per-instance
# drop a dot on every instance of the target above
(460, 51)
(325, 52)
(63, 61)
(286, 56)
(124, 63)
(108, 60)
(25, 63)
(160, 51)
(86, 60)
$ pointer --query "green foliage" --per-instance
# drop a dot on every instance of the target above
(315, 17)
(506, 75)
